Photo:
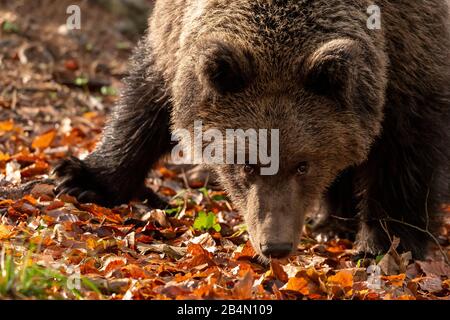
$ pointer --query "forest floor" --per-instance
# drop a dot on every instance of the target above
(56, 88)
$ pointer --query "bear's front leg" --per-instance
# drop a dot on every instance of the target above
(400, 192)
(136, 136)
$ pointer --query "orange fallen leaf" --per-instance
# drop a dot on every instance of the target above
(244, 252)
(316, 296)
(406, 297)
(91, 243)
(4, 157)
(342, 278)
(243, 289)
(89, 267)
(6, 203)
(133, 271)
(167, 191)
(6, 126)
(55, 205)
(75, 256)
(6, 232)
(44, 141)
(102, 213)
(338, 246)
(71, 64)
(244, 268)
(24, 207)
(196, 250)
(341, 283)
(112, 264)
(41, 241)
(396, 281)
(198, 261)
(278, 271)
(372, 296)
(90, 115)
(298, 285)
(30, 200)
(38, 168)
(166, 173)
(25, 157)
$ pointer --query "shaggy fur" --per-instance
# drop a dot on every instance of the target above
(364, 113)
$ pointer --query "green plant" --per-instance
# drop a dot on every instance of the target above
(206, 222)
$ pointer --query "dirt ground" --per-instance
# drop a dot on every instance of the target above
(56, 89)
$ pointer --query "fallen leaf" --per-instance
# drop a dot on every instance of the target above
(244, 252)
(37, 168)
(6, 232)
(406, 297)
(393, 263)
(6, 126)
(396, 281)
(111, 264)
(206, 241)
(341, 282)
(342, 278)
(44, 141)
(173, 252)
(133, 271)
(434, 268)
(158, 216)
(71, 64)
(431, 284)
(298, 285)
(4, 157)
(278, 271)
(243, 288)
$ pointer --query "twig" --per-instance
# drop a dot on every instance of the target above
(426, 231)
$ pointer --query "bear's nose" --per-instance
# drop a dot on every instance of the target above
(276, 250)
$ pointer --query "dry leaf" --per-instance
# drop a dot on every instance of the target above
(6, 232)
(278, 271)
(396, 281)
(243, 288)
(393, 263)
(244, 252)
(44, 141)
(171, 251)
(434, 268)
(431, 284)
(6, 126)
(297, 284)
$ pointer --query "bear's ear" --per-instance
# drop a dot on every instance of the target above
(225, 68)
(330, 71)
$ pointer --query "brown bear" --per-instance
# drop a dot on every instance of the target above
(363, 114)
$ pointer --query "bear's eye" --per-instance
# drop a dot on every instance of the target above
(303, 168)
(249, 169)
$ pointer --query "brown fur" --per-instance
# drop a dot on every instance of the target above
(368, 110)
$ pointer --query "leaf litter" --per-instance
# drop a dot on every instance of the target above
(53, 102)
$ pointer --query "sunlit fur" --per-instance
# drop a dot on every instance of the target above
(369, 110)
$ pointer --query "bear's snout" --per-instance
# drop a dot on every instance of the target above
(277, 250)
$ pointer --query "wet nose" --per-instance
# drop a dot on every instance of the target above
(276, 250)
